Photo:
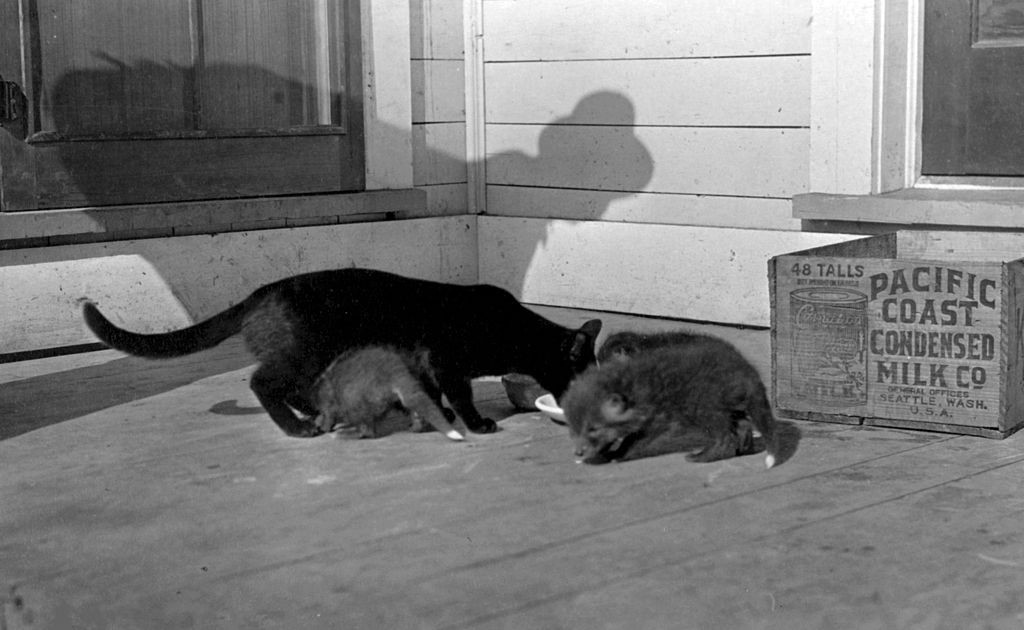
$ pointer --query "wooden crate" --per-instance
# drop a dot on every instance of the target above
(911, 329)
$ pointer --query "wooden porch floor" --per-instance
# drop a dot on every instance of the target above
(139, 494)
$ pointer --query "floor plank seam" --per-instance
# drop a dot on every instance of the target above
(483, 563)
(666, 562)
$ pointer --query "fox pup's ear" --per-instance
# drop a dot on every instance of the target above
(615, 409)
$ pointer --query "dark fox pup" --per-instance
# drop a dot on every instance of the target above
(369, 388)
(622, 345)
(297, 326)
(697, 395)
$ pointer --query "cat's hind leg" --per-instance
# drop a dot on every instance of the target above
(432, 390)
(273, 389)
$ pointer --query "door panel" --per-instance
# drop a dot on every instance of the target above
(147, 171)
(973, 115)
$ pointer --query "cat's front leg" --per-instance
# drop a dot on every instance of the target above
(270, 390)
(460, 394)
(433, 391)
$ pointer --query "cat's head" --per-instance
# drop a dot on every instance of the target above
(603, 426)
(575, 355)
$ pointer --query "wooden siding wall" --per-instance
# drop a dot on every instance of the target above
(642, 157)
(438, 104)
(690, 112)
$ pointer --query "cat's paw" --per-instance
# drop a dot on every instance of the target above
(305, 429)
(485, 425)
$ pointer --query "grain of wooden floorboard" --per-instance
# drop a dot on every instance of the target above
(158, 494)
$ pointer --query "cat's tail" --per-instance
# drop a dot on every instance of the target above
(760, 413)
(175, 343)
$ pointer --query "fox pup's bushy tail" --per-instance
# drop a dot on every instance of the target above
(760, 413)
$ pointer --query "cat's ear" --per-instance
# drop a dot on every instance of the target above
(584, 339)
(615, 409)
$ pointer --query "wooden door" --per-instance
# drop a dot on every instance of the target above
(973, 114)
(134, 101)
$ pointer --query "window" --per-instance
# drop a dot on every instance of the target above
(136, 101)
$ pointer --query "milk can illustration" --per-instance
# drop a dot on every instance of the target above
(829, 337)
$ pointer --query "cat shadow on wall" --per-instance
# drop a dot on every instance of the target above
(573, 166)
(583, 163)
(569, 167)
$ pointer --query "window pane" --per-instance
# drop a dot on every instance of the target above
(267, 64)
(117, 68)
(113, 66)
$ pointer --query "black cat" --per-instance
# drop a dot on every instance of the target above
(295, 327)
(373, 389)
(696, 395)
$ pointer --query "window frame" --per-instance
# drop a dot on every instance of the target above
(386, 114)
(865, 124)
(865, 150)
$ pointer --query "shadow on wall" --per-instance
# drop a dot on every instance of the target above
(154, 98)
(556, 157)
(152, 132)
(564, 159)
(608, 158)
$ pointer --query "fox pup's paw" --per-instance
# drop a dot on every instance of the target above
(419, 425)
(322, 422)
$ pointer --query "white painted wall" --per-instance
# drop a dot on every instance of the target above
(639, 157)
(387, 105)
(685, 272)
(438, 109)
(642, 156)
(670, 103)
(842, 88)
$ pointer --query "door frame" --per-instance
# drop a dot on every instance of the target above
(387, 93)
(865, 96)
(865, 152)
